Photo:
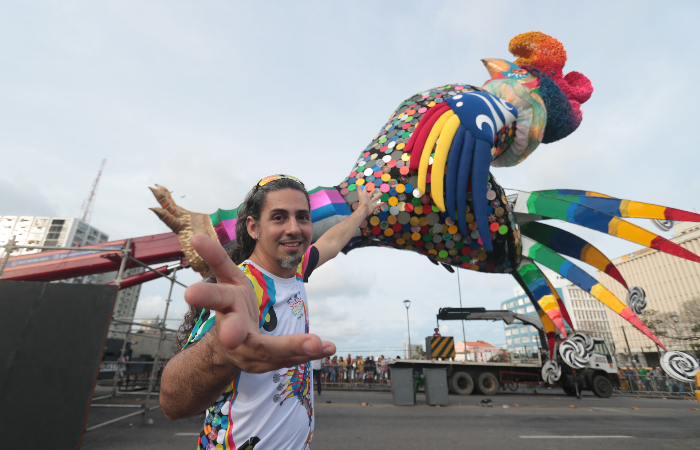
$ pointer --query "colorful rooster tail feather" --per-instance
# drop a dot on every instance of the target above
(580, 214)
(570, 245)
(620, 207)
(560, 302)
(552, 260)
(549, 327)
(542, 295)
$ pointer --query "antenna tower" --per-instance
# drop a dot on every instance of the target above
(88, 203)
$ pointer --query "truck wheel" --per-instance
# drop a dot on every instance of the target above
(450, 389)
(602, 387)
(462, 383)
(487, 383)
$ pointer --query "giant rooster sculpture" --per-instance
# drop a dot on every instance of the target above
(431, 163)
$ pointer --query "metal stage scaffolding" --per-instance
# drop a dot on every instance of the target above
(157, 364)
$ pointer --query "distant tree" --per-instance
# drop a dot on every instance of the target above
(690, 317)
(657, 322)
(690, 314)
(688, 324)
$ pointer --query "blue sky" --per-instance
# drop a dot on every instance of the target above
(208, 97)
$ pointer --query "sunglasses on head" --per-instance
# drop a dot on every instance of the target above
(272, 178)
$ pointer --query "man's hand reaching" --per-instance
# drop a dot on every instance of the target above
(368, 202)
(238, 340)
(195, 377)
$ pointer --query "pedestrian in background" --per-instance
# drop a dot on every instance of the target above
(350, 369)
(369, 370)
(672, 385)
(632, 376)
(326, 370)
(642, 372)
(333, 373)
(624, 385)
(382, 370)
(341, 371)
(316, 366)
(663, 385)
(653, 379)
(359, 362)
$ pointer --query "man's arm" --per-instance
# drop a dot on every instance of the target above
(333, 240)
(198, 375)
(194, 378)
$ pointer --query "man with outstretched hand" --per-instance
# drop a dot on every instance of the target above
(246, 360)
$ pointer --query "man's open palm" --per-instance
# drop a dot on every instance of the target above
(238, 338)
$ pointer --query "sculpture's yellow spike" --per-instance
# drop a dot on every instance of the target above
(428, 149)
(440, 161)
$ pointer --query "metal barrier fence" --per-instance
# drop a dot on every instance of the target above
(336, 376)
(654, 385)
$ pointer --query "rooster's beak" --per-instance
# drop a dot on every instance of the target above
(496, 67)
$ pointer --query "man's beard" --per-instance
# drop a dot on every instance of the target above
(291, 261)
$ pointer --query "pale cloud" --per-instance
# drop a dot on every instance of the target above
(24, 198)
(150, 306)
(333, 281)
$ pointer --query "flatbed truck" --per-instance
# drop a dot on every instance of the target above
(487, 378)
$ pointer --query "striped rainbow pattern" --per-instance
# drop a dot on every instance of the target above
(201, 327)
(568, 244)
(557, 208)
(576, 275)
(301, 268)
(619, 207)
(547, 323)
(325, 202)
(538, 286)
(562, 307)
(230, 444)
(264, 288)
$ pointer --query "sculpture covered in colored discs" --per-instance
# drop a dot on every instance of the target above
(410, 220)
(431, 164)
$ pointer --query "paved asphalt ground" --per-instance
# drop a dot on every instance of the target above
(537, 422)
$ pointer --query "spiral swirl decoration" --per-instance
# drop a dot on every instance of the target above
(680, 365)
(551, 372)
(663, 225)
(585, 340)
(637, 299)
(574, 353)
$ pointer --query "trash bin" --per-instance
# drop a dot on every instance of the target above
(402, 386)
(436, 386)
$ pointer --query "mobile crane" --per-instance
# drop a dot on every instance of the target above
(466, 377)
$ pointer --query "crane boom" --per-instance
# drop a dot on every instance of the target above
(88, 203)
(508, 317)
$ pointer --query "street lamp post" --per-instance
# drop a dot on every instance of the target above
(676, 320)
(407, 304)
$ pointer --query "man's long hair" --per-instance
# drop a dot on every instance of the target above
(240, 249)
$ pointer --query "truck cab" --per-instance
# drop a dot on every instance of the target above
(599, 375)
